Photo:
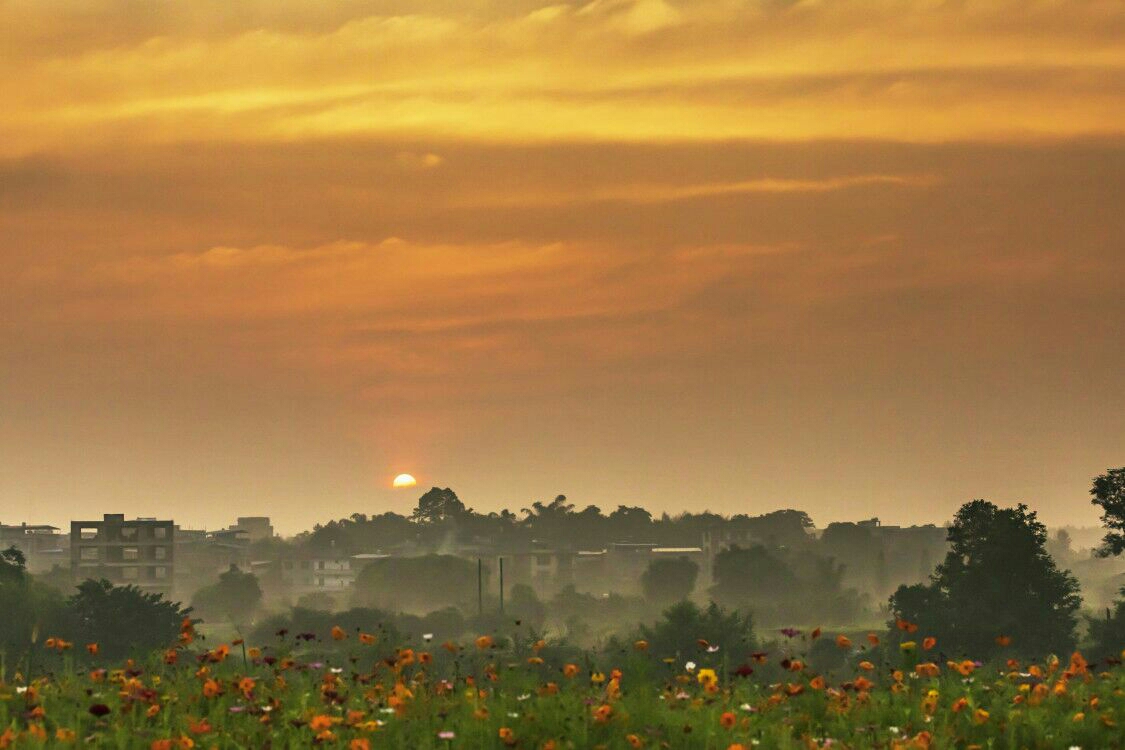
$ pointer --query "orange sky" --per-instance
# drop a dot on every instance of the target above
(861, 258)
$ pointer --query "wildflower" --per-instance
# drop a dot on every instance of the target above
(338, 633)
(152, 710)
(866, 666)
(484, 642)
(928, 642)
(446, 734)
(254, 653)
(634, 741)
(926, 669)
(507, 736)
(641, 645)
(199, 727)
(842, 641)
(65, 735)
(367, 639)
(980, 716)
(99, 709)
(905, 625)
(727, 720)
(539, 645)
(959, 705)
(907, 646)
(320, 723)
(246, 686)
(964, 668)
(171, 656)
(92, 649)
(603, 713)
(535, 660)
(1003, 641)
(211, 688)
(1078, 717)
(817, 683)
(690, 666)
(873, 639)
(597, 678)
(707, 677)
(360, 743)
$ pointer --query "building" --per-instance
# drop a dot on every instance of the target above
(43, 547)
(310, 573)
(138, 552)
(255, 528)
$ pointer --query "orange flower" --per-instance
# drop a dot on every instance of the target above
(254, 653)
(815, 634)
(92, 649)
(817, 683)
(484, 642)
(171, 656)
(424, 657)
(1003, 641)
(338, 633)
(539, 645)
(507, 736)
(905, 625)
(727, 720)
(964, 668)
(843, 641)
(603, 713)
(367, 639)
(320, 723)
(873, 639)
(928, 642)
(535, 660)
(980, 716)
(360, 743)
(862, 683)
(959, 705)
(570, 670)
(199, 727)
(634, 741)
(152, 710)
(211, 688)
(866, 666)
(926, 669)
(246, 686)
(641, 645)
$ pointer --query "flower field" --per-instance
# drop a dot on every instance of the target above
(350, 690)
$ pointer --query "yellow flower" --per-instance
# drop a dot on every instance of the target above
(707, 677)
(907, 646)
(980, 716)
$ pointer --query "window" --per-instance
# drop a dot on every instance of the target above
(160, 532)
(88, 533)
(88, 553)
(160, 553)
(160, 573)
(320, 564)
(130, 553)
(129, 532)
(130, 573)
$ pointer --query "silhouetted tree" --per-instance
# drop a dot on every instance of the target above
(524, 605)
(438, 505)
(29, 608)
(668, 580)
(997, 580)
(744, 576)
(124, 619)
(1109, 495)
(234, 597)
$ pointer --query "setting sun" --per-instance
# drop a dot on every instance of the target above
(404, 480)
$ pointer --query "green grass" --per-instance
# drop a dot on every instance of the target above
(345, 694)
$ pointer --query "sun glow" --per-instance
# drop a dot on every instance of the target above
(404, 480)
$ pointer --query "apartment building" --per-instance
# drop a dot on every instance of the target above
(43, 547)
(137, 552)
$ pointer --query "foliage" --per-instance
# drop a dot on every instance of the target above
(1107, 634)
(438, 505)
(418, 584)
(235, 597)
(668, 580)
(28, 607)
(124, 619)
(1108, 494)
(997, 582)
(678, 632)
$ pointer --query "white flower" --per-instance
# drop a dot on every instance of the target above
(336, 670)
(513, 714)
(427, 637)
(712, 649)
(690, 666)
(386, 710)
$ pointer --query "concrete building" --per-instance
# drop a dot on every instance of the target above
(43, 547)
(138, 552)
(255, 528)
(311, 573)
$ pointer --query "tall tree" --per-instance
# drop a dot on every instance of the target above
(997, 580)
(1109, 494)
(234, 597)
(124, 619)
(437, 505)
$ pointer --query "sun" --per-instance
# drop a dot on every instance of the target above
(404, 480)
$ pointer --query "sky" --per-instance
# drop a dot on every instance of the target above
(862, 258)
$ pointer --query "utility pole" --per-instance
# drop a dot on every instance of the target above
(501, 585)
(480, 587)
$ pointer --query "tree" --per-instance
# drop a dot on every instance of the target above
(682, 626)
(997, 580)
(124, 619)
(438, 505)
(29, 608)
(234, 597)
(748, 575)
(418, 584)
(669, 580)
(1109, 495)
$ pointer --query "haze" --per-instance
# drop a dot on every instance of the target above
(857, 258)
